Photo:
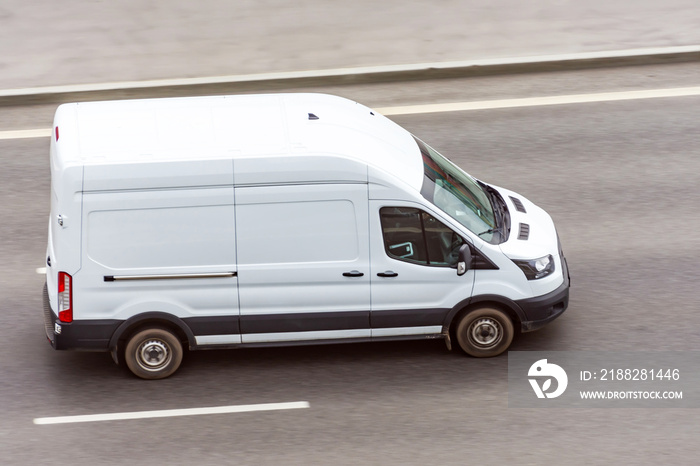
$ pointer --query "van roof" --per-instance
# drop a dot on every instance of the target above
(233, 127)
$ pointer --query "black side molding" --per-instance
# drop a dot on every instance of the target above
(175, 276)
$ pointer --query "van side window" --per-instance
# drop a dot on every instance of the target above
(412, 235)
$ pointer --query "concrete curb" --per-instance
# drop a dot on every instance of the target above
(340, 76)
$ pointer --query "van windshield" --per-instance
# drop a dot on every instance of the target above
(457, 194)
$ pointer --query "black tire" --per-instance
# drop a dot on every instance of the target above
(153, 353)
(484, 332)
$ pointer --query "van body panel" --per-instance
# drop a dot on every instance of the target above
(262, 171)
(158, 175)
(64, 225)
(170, 234)
(65, 220)
(351, 130)
(507, 281)
(302, 250)
(384, 185)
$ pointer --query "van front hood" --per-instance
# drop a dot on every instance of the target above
(532, 231)
(532, 235)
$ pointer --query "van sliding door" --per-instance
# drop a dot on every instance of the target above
(303, 262)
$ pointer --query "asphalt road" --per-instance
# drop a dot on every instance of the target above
(621, 182)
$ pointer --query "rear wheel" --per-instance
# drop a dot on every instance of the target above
(484, 332)
(153, 353)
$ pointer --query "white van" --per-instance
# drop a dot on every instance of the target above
(261, 220)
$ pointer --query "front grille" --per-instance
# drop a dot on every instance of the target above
(48, 315)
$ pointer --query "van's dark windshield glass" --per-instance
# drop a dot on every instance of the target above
(457, 194)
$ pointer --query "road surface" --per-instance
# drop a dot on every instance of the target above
(620, 179)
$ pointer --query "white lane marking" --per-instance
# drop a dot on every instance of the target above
(171, 413)
(539, 101)
(26, 133)
(41, 270)
(349, 71)
(476, 105)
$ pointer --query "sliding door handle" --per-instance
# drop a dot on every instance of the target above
(353, 273)
(388, 273)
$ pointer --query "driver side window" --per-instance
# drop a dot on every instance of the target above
(411, 235)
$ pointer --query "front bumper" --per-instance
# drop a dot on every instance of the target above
(541, 310)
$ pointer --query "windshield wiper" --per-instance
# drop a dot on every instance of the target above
(500, 210)
(490, 230)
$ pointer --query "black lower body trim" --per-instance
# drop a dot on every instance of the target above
(408, 318)
(304, 322)
(214, 325)
(99, 335)
(88, 335)
(319, 321)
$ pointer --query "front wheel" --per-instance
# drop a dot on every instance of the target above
(153, 353)
(484, 332)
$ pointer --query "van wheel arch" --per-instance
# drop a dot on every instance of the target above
(135, 324)
(497, 302)
(514, 317)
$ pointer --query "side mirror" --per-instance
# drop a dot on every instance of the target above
(465, 259)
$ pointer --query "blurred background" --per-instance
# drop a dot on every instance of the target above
(45, 43)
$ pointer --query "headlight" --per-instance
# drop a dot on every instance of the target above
(536, 268)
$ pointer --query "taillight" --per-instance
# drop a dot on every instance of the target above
(65, 297)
